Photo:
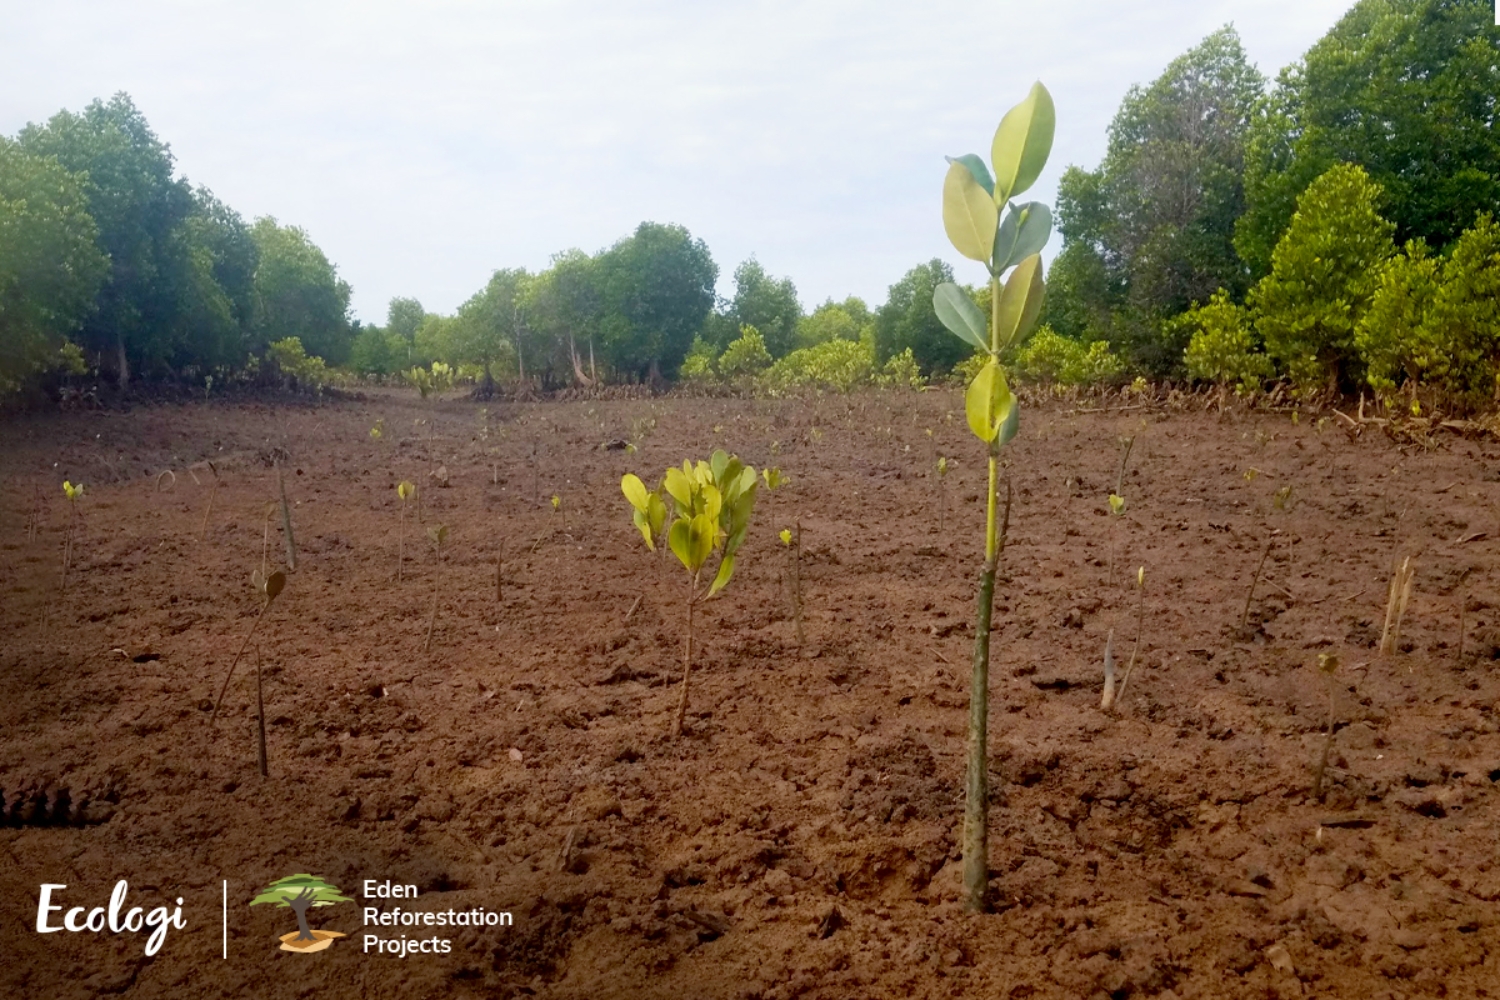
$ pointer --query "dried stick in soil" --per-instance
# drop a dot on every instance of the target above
(1245, 618)
(213, 490)
(1395, 606)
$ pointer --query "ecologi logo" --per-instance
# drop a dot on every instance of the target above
(301, 892)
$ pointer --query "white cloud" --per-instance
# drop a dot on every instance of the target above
(423, 145)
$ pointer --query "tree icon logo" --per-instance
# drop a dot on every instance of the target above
(300, 893)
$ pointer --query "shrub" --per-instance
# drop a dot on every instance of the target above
(745, 356)
(1323, 275)
(1050, 357)
(1436, 323)
(1223, 348)
(295, 364)
(902, 370)
(698, 366)
(840, 365)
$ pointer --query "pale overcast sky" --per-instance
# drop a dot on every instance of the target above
(423, 145)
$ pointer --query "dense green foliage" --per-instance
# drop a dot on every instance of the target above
(1235, 232)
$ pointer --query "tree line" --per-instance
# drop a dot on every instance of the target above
(1332, 228)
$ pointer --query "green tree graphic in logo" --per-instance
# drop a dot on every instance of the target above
(300, 892)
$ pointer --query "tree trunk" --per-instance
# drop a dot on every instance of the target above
(299, 906)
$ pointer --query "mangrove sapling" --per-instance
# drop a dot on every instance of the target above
(973, 199)
(1328, 663)
(712, 502)
(404, 490)
(1395, 606)
(269, 588)
(439, 534)
(942, 491)
(74, 493)
(1116, 512)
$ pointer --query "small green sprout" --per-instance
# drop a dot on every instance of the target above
(786, 536)
(1251, 473)
(378, 431)
(712, 502)
(405, 490)
(1282, 499)
(773, 478)
(72, 492)
(1116, 504)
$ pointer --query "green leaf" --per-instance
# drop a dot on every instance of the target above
(644, 523)
(635, 491)
(1011, 423)
(1022, 144)
(680, 541)
(1020, 300)
(987, 402)
(969, 214)
(719, 464)
(1024, 232)
(656, 515)
(679, 485)
(705, 533)
(726, 570)
(960, 315)
(977, 170)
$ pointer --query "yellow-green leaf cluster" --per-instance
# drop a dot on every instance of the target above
(711, 506)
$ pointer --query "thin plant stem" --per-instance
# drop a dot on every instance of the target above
(260, 721)
(797, 583)
(286, 521)
(218, 702)
(687, 658)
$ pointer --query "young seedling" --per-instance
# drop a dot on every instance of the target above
(1395, 606)
(404, 489)
(1116, 512)
(269, 587)
(973, 200)
(1111, 696)
(557, 508)
(712, 502)
(1328, 664)
(74, 494)
(439, 534)
(378, 431)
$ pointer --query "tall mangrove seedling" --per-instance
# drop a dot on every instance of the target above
(404, 491)
(73, 493)
(986, 225)
(712, 502)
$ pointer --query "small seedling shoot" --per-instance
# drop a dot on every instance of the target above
(439, 534)
(1116, 511)
(942, 490)
(74, 493)
(404, 490)
(269, 587)
(984, 225)
(557, 508)
(378, 430)
(712, 502)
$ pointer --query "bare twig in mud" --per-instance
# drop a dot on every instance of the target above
(209, 511)
(633, 605)
(1108, 700)
(1245, 618)
(270, 586)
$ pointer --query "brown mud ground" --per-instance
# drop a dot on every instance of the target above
(799, 840)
